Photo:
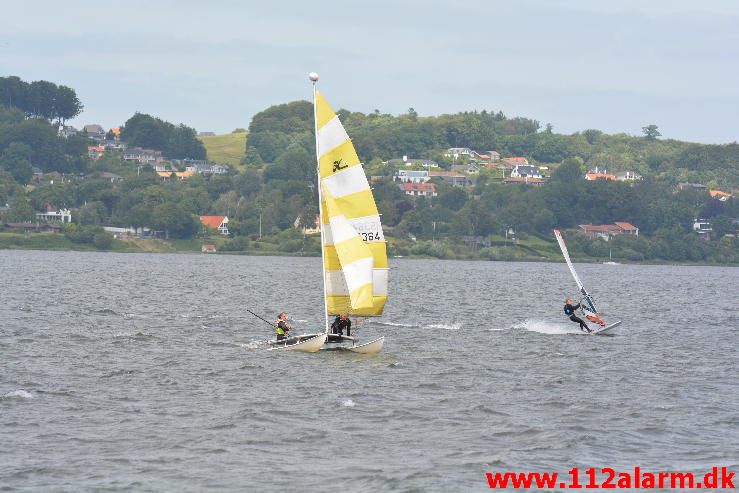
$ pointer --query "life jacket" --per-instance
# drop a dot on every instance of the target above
(569, 310)
(280, 330)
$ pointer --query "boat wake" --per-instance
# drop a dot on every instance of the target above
(393, 324)
(549, 328)
(454, 326)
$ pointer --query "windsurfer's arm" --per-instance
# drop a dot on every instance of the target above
(575, 307)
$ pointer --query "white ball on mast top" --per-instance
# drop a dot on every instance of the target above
(313, 76)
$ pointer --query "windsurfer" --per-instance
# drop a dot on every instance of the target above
(340, 323)
(570, 312)
(282, 326)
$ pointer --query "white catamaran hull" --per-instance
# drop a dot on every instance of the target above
(306, 343)
(348, 343)
(372, 347)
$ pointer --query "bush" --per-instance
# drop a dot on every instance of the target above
(238, 244)
(103, 240)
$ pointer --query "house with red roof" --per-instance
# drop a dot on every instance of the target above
(719, 195)
(599, 176)
(419, 189)
(510, 162)
(219, 223)
(607, 231)
(94, 152)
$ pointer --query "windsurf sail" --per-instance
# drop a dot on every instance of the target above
(354, 250)
(587, 304)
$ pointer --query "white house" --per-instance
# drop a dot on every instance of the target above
(411, 176)
(457, 152)
(60, 216)
(525, 171)
(628, 176)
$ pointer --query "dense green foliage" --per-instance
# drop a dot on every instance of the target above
(41, 99)
(26, 142)
(175, 141)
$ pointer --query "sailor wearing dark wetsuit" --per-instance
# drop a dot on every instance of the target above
(340, 323)
(570, 312)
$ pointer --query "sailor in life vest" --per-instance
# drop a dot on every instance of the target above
(570, 312)
(282, 326)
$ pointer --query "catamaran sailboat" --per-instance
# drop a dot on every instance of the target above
(586, 305)
(353, 249)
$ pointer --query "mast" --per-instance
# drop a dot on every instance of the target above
(314, 78)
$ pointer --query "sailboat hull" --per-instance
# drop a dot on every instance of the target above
(306, 343)
(372, 347)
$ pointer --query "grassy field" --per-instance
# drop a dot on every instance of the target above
(226, 149)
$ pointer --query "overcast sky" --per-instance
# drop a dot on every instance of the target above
(615, 65)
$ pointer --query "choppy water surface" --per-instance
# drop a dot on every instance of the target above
(145, 373)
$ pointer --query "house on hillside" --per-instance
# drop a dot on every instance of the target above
(94, 152)
(216, 222)
(457, 152)
(470, 169)
(511, 162)
(703, 228)
(57, 216)
(456, 179)
(419, 189)
(691, 186)
(628, 176)
(607, 231)
(202, 167)
(719, 195)
(599, 176)
(143, 156)
(407, 161)
(410, 176)
(94, 131)
(67, 131)
(485, 157)
(526, 171)
(179, 175)
(208, 248)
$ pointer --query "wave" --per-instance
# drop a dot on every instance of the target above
(454, 326)
(549, 328)
(348, 403)
(18, 394)
(106, 311)
(393, 324)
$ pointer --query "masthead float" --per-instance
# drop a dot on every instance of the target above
(353, 248)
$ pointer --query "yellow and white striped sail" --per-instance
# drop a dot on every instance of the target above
(355, 256)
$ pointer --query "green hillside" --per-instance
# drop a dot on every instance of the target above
(226, 149)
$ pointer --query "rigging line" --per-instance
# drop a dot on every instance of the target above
(271, 324)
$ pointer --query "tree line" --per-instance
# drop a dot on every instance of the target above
(40, 99)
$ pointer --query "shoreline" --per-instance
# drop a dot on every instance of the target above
(89, 249)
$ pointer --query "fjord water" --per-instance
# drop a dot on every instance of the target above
(144, 372)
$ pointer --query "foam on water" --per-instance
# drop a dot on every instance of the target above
(549, 328)
(18, 394)
(454, 326)
(348, 403)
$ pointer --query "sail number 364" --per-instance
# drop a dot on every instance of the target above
(370, 236)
